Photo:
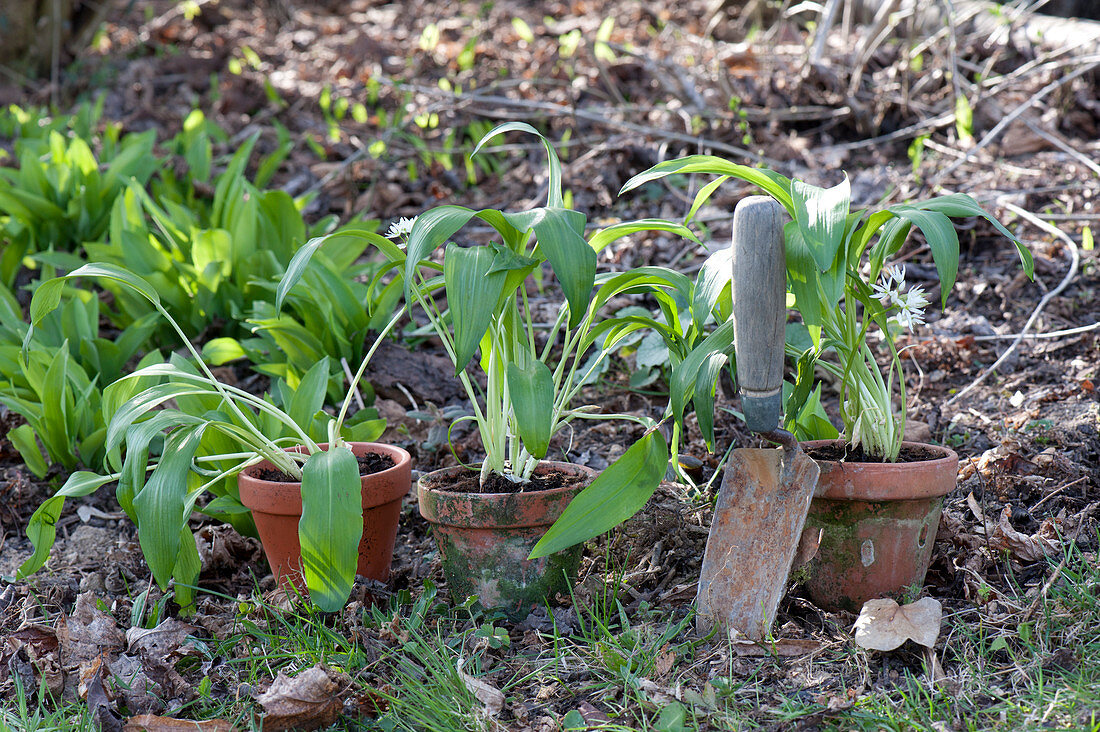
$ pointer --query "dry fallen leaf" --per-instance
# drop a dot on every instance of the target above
(304, 702)
(487, 694)
(1026, 548)
(883, 625)
(87, 633)
(153, 723)
(166, 640)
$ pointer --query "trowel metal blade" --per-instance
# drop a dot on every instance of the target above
(754, 536)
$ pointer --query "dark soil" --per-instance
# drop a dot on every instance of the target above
(542, 481)
(843, 452)
(369, 464)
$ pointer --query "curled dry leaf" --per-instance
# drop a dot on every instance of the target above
(1026, 548)
(883, 625)
(487, 694)
(87, 633)
(310, 700)
(153, 723)
(166, 640)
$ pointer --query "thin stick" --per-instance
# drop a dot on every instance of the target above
(601, 117)
(1040, 336)
(1011, 117)
(1075, 259)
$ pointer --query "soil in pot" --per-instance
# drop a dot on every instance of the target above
(276, 504)
(877, 521)
(484, 538)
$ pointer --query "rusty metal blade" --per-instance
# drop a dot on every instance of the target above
(754, 536)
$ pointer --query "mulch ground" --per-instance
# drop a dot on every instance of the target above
(661, 83)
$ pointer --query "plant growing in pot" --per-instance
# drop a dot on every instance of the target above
(488, 519)
(878, 499)
(314, 518)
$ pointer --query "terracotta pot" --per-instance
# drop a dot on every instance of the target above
(484, 539)
(277, 508)
(878, 524)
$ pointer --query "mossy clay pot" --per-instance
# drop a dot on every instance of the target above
(484, 539)
(878, 524)
(277, 508)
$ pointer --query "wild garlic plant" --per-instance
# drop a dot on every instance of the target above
(835, 257)
(210, 432)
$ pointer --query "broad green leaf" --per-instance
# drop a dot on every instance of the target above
(703, 196)
(604, 237)
(159, 505)
(821, 214)
(560, 234)
(713, 281)
(472, 296)
(774, 184)
(301, 259)
(146, 401)
(219, 351)
(958, 205)
(683, 383)
(186, 570)
(940, 234)
(433, 228)
(309, 397)
(615, 495)
(22, 437)
(532, 393)
(42, 528)
(553, 195)
(706, 382)
(331, 525)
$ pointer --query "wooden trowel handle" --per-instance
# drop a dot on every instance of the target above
(759, 289)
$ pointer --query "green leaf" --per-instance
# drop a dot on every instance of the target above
(331, 525)
(159, 506)
(309, 397)
(42, 528)
(615, 495)
(186, 570)
(706, 382)
(821, 214)
(774, 184)
(958, 205)
(22, 437)
(712, 284)
(942, 240)
(553, 195)
(560, 234)
(683, 383)
(472, 295)
(703, 196)
(300, 261)
(218, 351)
(603, 237)
(532, 392)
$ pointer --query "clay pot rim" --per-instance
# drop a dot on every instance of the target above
(285, 497)
(399, 454)
(878, 481)
(531, 507)
(550, 464)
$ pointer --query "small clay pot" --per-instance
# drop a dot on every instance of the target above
(277, 508)
(484, 539)
(878, 524)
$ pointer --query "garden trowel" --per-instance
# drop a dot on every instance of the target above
(765, 493)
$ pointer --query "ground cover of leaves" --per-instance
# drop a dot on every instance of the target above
(1018, 538)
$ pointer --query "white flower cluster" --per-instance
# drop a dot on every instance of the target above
(910, 304)
(401, 228)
